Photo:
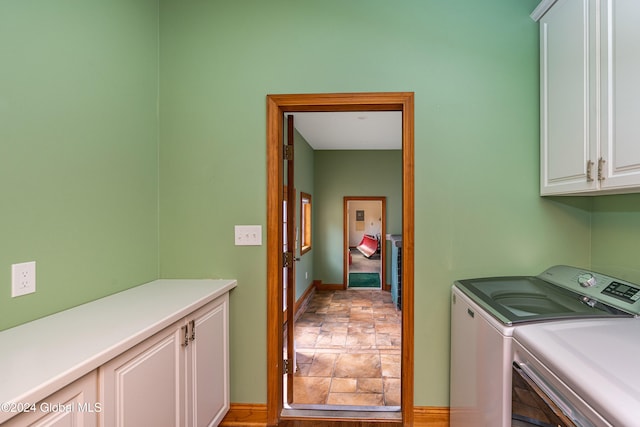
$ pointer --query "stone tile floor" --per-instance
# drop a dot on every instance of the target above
(348, 350)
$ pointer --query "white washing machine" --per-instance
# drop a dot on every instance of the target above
(486, 311)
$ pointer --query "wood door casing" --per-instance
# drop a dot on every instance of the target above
(277, 105)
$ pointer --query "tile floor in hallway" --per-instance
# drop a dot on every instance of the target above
(348, 350)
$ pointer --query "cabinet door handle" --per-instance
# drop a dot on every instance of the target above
(193, 329)
(185, 328)
(600, 168)
(589, 168)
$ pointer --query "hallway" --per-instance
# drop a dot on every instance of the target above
(348, 350)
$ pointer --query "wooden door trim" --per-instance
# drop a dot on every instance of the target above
(345, 236)
(277, 105)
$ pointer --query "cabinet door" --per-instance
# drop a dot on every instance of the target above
(620, 108)
(568, 111)
(144, 386)
(208, 364)
(75, 405)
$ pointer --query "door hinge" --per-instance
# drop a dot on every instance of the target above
(288, 152)
(287, 367)
(288, 259)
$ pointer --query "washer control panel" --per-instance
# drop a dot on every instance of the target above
(622, 291)
(608, 290)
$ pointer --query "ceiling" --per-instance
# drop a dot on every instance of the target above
(350, 130)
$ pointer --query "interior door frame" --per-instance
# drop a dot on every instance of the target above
(345, 237)
(277, 105)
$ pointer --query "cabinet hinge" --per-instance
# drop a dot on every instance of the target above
(193, 329)
(288, 152)
(600, 169)
(286, 367)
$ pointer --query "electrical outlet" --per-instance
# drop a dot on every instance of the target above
(23, 278)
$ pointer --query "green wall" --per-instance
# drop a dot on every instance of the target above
(615, 236)
(113, 195)
(341, 173)
(78, 150)
(329, 176)
(474, 69)
(304, 182)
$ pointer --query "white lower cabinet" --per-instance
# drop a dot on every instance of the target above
(178, 377)
(144, 385)
(153, 355)
(75, 405)
(208, 365)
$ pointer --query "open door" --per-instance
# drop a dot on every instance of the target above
(289, 259)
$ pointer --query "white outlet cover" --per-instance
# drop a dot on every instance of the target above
(248, 235)
(23, 278)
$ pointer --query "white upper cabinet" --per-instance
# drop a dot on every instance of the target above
(620, 99)
(567, 59)
(590, 97)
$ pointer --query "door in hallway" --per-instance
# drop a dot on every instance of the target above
(364, 228)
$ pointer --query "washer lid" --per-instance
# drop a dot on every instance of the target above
(519, 299)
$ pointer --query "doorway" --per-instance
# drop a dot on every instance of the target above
(364, 223)
(277, 106)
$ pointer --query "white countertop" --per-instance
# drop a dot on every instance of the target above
(42, 356)
(597, 359)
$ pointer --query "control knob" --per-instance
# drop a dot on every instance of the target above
(586, 280)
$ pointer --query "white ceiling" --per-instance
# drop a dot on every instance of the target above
(350, 130)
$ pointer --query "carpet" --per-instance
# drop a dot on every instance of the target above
(364, 280)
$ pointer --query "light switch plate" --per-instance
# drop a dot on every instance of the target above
(248, 235)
